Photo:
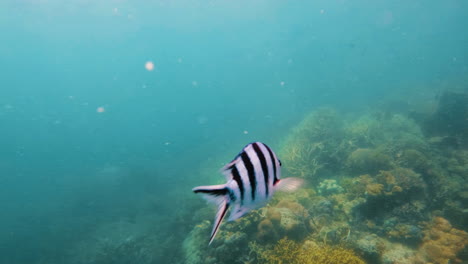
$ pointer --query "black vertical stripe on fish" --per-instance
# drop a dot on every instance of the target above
(232, 196)
(263, 162)
(272, 157)
(251, 171)
(237, 178)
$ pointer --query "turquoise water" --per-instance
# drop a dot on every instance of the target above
(96, 148)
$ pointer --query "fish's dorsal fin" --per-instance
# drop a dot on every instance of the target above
(222, 209)
(226, 169)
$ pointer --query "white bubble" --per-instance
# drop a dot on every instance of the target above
(100, 109)
(149, 66)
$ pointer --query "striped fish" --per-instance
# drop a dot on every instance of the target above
(252, 179)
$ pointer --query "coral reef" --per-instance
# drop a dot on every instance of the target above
(329, 186)
(315, 145)
(449, 120)
(442, 243)
(376, 185)
(414, 159)
(119, 242)
(309, 252)
(362, 161)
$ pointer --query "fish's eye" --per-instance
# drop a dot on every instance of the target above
(280, 162)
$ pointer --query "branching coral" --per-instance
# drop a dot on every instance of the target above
(300, 158)
(315, 144)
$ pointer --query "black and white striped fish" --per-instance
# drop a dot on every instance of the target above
(252, 179)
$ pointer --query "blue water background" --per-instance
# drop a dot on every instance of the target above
(226, 73)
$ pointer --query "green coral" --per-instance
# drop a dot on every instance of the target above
(414, 159)
(287, 251)
(363, 161)
(315, 145)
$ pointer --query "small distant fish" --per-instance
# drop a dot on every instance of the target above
(252, 179)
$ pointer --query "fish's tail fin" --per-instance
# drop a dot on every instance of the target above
(217, 194)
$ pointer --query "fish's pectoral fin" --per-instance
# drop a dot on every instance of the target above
(289, 184)
(222, 209)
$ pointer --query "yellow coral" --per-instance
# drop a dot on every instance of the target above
(289, 252)
(396, 189)
(374, 189)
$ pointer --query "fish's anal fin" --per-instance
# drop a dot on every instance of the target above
(222, 209)
(289, 184)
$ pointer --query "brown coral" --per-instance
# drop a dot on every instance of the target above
(266, 230)
(442, 242)
(400, 180)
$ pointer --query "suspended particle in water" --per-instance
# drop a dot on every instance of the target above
(387, 17)
(202, 120)
(179, 60)
(282, 83)
(100, 109)
(322, 11)
(194, 83)
(246, 132)
(149, 66)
